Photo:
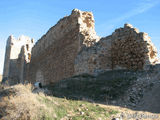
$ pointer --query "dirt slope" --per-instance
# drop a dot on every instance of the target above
(136, 90)
(20, 103)
(134, 95)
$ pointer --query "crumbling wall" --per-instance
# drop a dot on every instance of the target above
(94, 59)
(54, 54)
(16, 56)
(72, 47)
(126, 48)
(132, 49)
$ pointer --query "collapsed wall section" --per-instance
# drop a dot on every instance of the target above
(126, 48)
(54, 54)
(132, 49)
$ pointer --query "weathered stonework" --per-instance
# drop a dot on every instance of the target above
(54, 54)
(132, 49)
(94, 59)
(18, 54)
(72, 47)
(126, 48)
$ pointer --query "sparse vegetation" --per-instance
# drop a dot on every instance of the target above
(19, 102)
(76, 98)
(90, 87)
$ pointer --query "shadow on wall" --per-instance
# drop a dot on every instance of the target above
(39, 77)
(137, 90)
(15, 73)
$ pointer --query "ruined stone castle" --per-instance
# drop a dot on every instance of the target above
(71, 47)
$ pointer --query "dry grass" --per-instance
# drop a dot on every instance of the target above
(20, 103)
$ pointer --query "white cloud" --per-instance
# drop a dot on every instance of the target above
(142, 6)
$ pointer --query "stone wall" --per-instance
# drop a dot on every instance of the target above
(94, 59)
(54, 54)
(18, 52)
(71, 47)
(126, 48)
(132, 49)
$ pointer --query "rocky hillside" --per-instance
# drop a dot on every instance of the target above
(22, 102)
(19, 103)
(120, 87)
(130, 95)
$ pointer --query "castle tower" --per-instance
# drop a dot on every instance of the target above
(18, 52)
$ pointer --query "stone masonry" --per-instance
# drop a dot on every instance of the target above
(126, 48)
(54, 54)
(71, 47)
(18, 54)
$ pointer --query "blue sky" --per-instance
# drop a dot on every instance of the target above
(34, 17)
